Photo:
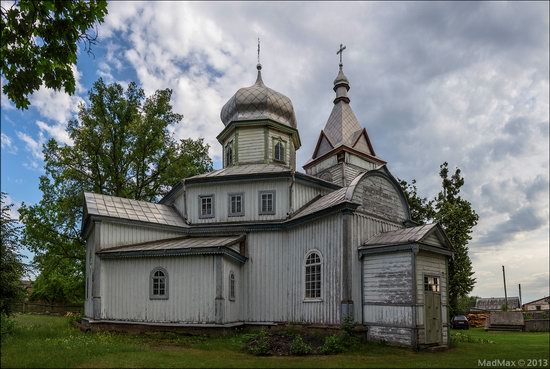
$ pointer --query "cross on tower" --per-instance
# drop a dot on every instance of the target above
(342, 48)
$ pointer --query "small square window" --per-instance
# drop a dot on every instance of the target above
(266, 202)
(431, 284)
(206, 206)
(236, 204)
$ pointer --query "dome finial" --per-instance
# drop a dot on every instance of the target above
(341, 83)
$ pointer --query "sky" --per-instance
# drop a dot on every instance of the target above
(462, 82)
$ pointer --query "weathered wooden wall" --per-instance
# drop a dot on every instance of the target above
(434, 265)
(116, 234)
(233, 309)
(303, 193)
(388, 297)
(192, 290)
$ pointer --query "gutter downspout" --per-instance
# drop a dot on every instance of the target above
(291, 194)
(414, 252)
(185, 202)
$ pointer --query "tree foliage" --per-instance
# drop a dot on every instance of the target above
(457, 217)
(12, 267)
(40, 43)
(122, 146)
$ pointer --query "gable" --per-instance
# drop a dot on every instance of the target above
(379, 194)
(323, 145)
(363, 145)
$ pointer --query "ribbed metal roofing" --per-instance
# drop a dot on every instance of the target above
(329, 200)
(178, 243)
(244, 169)
(400, 236)
(259, 102)
(119, 207)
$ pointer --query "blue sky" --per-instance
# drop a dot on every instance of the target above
(462, 82)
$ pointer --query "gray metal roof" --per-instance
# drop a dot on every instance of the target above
(259, 102)
(244, 169)
(324, 202)
(119, 207)
(178, 243)
(496, 303)
(400, 236)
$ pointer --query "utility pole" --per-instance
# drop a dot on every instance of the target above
(520, 300)
(505, 294)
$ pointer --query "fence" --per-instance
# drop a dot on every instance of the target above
(44, 308)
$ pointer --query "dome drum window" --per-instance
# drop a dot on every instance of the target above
(229, 154)
(279, 152)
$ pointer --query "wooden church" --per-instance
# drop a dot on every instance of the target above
(258, 242)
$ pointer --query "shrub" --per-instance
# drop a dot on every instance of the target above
(347, 325)
(299, 346)
(461, 337)
(333, 345)
(259, 346)
(7, 325)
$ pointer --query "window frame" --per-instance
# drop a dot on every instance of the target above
(283, 148)
(427, 283)
(232, 286)
(230, 213)
(229, 145)
(151, 282)
(201, 215)
(305, 270)
(274, 208)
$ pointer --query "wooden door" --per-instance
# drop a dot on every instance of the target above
(432, 308)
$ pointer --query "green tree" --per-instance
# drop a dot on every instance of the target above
(122, 146)
(40, 43)
(457, 217)
(12, 267)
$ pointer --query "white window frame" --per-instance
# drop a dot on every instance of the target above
(429, 284)
(273, 210)
(232, 286)
(305, 271)
(152, 277)
(206, 216)
(282, 151)
(229, 204)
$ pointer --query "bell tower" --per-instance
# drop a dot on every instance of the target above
(343, 149)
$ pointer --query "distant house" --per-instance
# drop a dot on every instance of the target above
(540, 304)
(496, 303)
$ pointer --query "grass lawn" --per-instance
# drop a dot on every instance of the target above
(46, 341)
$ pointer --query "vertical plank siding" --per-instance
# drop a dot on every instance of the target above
(233, 309)
(190, 279)
(90, 251)
(302, 194)
(114, 234)
(251, 206)
(431, 264)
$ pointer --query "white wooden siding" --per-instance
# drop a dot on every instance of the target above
(251, 145)
(116, 234)
(430, 264)
(233, 309)
(251, 206)
(302, 194)
(191, 290)
(287, 142)
(387, 278)
(273, 276)
(391, 335)
(90, 245)
(321, 166)
(360, 162)
(377, 195)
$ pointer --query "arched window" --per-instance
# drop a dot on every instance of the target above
(313, 275)
(232, 286)
(158, 288)
(229, 154)
(279, 152)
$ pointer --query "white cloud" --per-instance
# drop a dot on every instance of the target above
(465, 83)
(7, 144)
(13, 213)
(57, 131)
(34, 146)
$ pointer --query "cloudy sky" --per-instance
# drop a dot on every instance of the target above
(466, 83)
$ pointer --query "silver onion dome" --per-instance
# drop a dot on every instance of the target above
(259, 102)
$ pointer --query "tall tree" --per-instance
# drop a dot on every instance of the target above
(122, 146)
(458, 218)
(40, 43)
(12, 267)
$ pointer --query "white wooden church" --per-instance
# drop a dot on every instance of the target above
(259, 242)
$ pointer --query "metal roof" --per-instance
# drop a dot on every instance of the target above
(242, 170)
(258, 102)
(324, 202)
(400, 236)
(496, 303)
(178, 243)
(119, 207)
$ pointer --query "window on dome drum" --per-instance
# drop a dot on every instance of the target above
(279, 152)
(232, 286)
(229, 154)
(236, 204)
(313, 276)
(206, 206)
(267, 202)
(158, 289)
(431, 284)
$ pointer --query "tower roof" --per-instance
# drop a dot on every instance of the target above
(342, 127)
(259, 102)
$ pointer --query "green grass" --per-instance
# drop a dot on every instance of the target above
(45, 341)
